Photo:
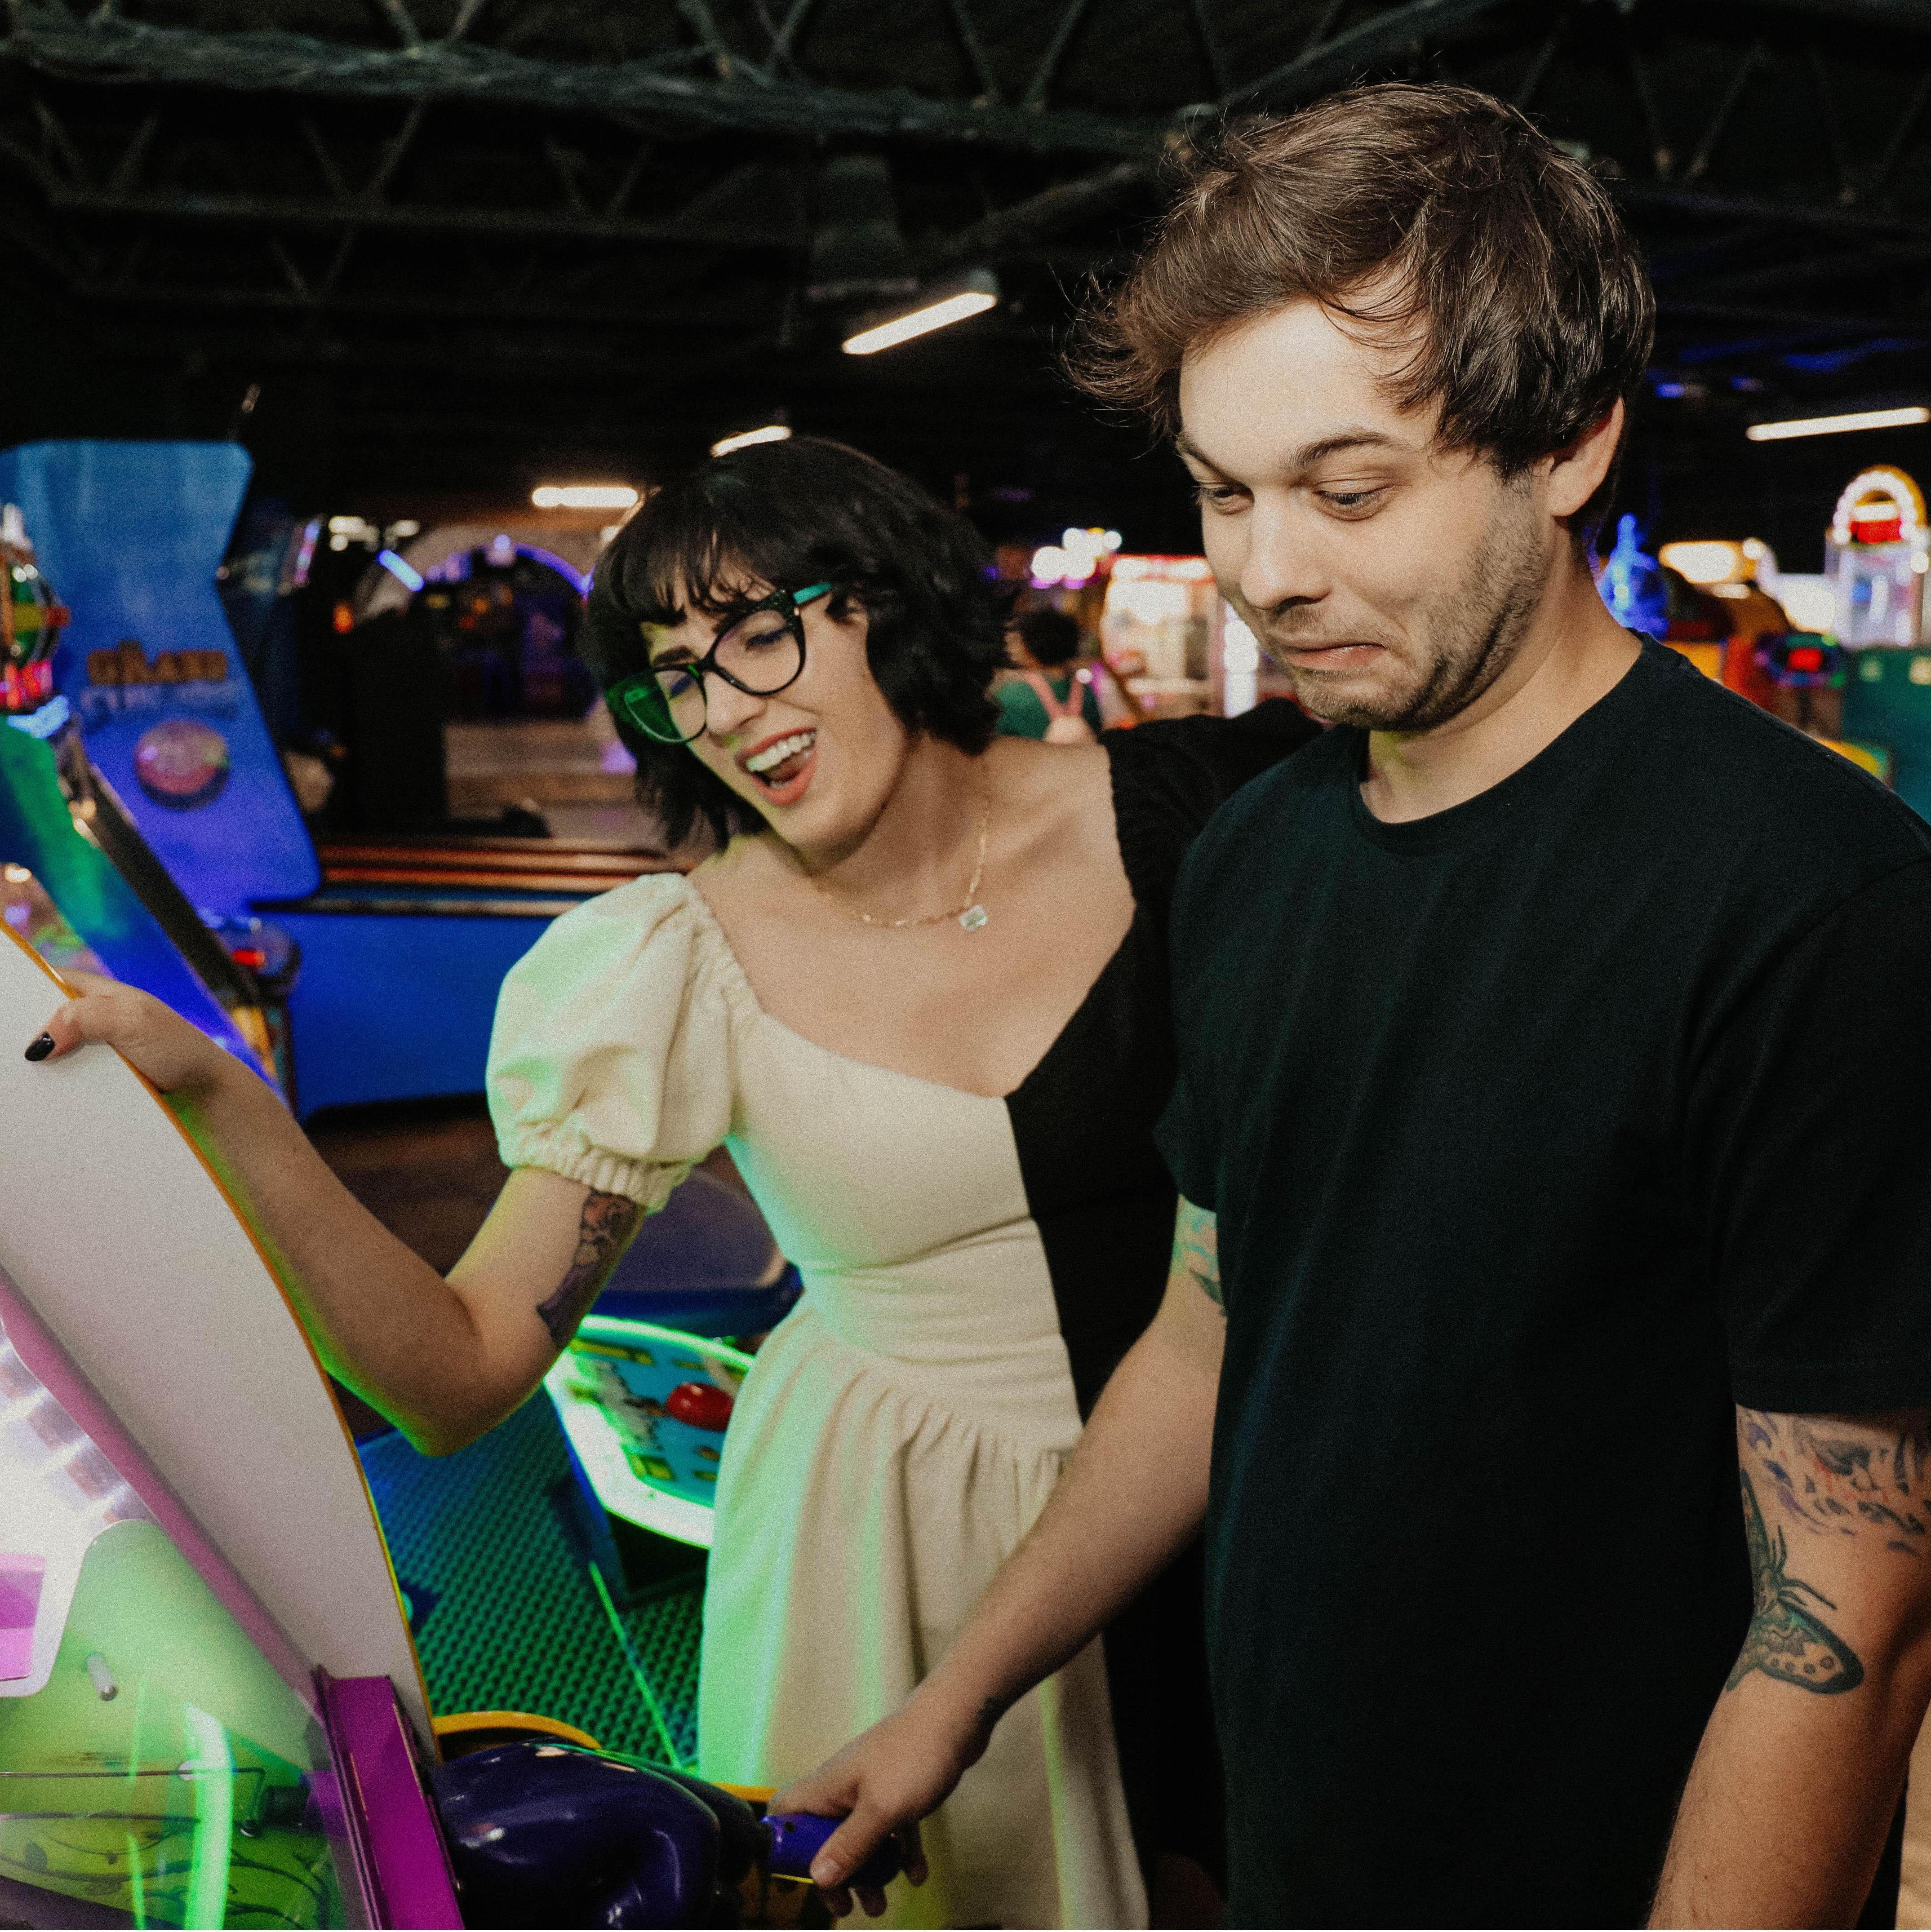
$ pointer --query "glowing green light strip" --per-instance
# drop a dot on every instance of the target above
(213, 1769)
(637, 1672)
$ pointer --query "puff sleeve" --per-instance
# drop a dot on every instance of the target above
(611, 1059)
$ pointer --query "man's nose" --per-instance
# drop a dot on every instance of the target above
(1282, 566)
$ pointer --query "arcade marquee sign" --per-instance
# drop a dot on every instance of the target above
(128, 664)
(182, 760)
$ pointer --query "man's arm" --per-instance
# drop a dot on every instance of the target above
(1797, 1777)
(1134, 1492)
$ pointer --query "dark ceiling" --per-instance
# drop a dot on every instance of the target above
(455, 245)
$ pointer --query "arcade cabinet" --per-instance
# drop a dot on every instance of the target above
(210, 1711)
(77, 880)
(402, 943)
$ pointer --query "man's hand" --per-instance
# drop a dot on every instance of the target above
(1133, 1493)
(882, 1783)
(1799, 1773)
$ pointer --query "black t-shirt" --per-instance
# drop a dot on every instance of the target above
(1540, 1132)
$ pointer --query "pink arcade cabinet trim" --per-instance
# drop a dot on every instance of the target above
(22, 1577)
(400, 1856)
(51, 1366)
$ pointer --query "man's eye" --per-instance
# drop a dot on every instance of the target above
(1347, 500)
(1218, 495)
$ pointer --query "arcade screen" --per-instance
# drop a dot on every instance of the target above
(158, 1770)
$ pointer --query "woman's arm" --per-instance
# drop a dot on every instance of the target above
(444, 1360)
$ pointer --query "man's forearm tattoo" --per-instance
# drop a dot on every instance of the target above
(1839, 1476)
(609, 1221)
(1197, 1250)
(1787, 1640)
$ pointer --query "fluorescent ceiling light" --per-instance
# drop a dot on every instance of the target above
(979, 293)
(1777, 432)
(771, 433)
(584, 496)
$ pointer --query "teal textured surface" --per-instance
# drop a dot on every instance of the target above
(506, 1611)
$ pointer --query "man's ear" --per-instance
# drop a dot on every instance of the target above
(1576, 473)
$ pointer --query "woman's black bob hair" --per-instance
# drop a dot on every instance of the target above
(781, 515)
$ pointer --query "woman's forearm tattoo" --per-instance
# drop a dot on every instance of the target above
(608, 1222)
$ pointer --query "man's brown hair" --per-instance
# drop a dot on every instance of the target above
(1436, 217)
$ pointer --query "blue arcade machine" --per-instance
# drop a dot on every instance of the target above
(400, 951)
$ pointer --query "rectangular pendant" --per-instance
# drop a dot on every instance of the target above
(972, 918)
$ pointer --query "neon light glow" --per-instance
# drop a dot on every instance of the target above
(1710, 563)
(1779, 432)
(584, 496)
(1883, 499)
(771, 433)
(403, 574)
(980, 293)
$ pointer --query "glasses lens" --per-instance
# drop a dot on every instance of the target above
(680, 696)
(761, 652)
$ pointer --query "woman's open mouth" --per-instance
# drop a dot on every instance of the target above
(782, 766)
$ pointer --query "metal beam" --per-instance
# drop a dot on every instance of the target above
(782, 229)
(1339, 59)
(111, 52)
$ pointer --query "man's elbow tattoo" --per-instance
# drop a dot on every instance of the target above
(1197, 1251)
(1841, 1476)
(1787, 1640)
(608, 1222)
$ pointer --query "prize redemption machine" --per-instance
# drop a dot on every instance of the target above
(77, 880)
(1876, 556)
(210, 1710)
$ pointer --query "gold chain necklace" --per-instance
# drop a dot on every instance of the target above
(969, 913)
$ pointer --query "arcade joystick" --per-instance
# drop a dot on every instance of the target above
(545, 1833)
(798, 1836)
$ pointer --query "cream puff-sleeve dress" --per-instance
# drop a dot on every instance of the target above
(901, 1430)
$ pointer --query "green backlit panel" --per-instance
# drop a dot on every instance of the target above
(513, 1619)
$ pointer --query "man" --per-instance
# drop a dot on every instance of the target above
(1551, 1126)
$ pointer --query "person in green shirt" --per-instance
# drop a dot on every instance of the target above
(1047, 691)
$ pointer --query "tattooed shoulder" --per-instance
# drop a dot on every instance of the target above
(604, 1231)
(1197, 1250)
(1846, 1475)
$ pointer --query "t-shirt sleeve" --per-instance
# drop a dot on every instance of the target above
(611, 1061)
(1809, 1149)
(1185, 1150)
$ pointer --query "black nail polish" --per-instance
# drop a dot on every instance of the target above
(41, 1047)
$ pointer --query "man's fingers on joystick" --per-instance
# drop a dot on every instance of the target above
(849, 1847)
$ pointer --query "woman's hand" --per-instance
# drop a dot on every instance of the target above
(152, 1038)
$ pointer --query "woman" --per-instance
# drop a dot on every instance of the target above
(919, 991)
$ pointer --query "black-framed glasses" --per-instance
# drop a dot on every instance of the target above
(759, 652)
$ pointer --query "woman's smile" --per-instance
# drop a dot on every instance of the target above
(780, 765)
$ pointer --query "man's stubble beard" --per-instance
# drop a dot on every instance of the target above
(1470, 633)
